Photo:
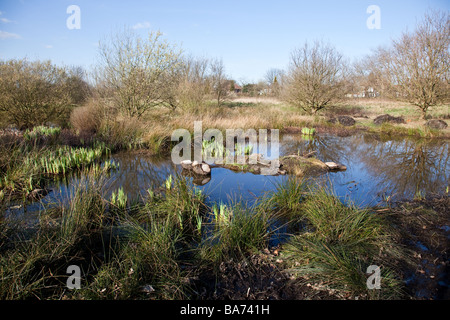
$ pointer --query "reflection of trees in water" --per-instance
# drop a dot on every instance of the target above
(400, 167)
(407, 166)
(395, 166)
(137, 173)
(326, 148)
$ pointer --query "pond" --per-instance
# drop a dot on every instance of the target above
(378, 169)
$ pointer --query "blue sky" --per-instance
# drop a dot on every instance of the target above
(251, 36)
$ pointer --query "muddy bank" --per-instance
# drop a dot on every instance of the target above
(260, 277)
(424, 230)
(424, 226)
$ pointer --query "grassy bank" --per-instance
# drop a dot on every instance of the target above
(174, 244)
(154, 130)
(272, 114)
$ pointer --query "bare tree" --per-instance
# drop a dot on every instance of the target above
(315, 78)
(416, 67)
(193, 83)
(273, 78)
(363, 77)
(79, 88)
(219, 83)
(138, 74)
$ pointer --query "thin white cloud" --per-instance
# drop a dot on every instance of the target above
(5, 20)
(142, 25)
(48, 46)
(8, 35)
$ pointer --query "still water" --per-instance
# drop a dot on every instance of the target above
(378, 169)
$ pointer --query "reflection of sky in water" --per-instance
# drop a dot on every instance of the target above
(375, 169)
(226, 185)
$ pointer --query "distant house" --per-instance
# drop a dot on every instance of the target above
(370, 92)
(264, 92)
(237, 88)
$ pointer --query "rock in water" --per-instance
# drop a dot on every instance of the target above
(195, 167)
(335, 166)
(300, 166)
(202, 169)
(186, 164)
(269, 171)
(331, 165)
(206, 168)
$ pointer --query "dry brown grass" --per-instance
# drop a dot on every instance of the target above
(412, 115)
(256, 116)
(379, 106)
(156, 127)
(270, 113)
(88, 118)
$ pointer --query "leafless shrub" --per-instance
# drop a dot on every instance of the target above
(219, 83)
(273, 78)
(88, 118)
(138, 74)
(315, 78)
(194, 84)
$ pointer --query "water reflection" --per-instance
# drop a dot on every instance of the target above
(325, 148)
(377, 168)
(407, 167)
(139, 172)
